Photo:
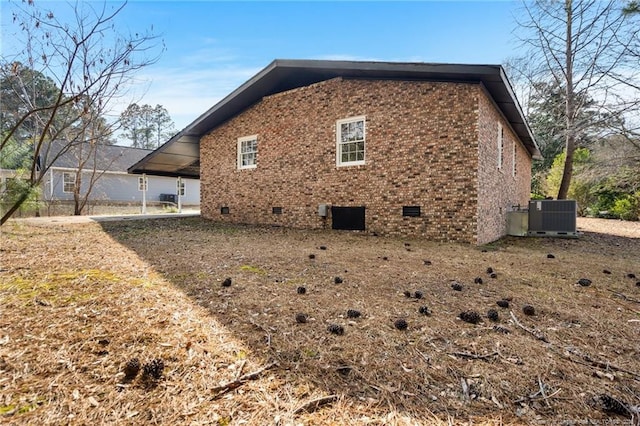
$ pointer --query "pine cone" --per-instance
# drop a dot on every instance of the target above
(470, 316)
(424, 310)
(352, 313)
(301, 318)
(611, 405)
(529, 310)
(401, 324)
(492, 314)
(301, 290)
(336, 329)
(131, 368)
(503, 303)
(226, 282)
(584, 282)
(500, 329)
(153, 369)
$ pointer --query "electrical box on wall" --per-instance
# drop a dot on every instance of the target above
(323, 210)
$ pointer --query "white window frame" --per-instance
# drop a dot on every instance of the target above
(340, 144)
(241, 141)
(500, 142)
(181, 187)
(143, 183)
(514, 170)
(66, 182)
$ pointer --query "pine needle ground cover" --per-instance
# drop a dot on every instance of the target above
(130, 323)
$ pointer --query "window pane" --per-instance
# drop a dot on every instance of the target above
(359, 130)
(360, 156)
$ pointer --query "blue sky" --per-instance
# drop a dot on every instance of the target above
(212, 47)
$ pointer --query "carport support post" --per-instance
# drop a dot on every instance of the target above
(179, 194)
(144, 193)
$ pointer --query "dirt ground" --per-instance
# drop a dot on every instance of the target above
(80, 301)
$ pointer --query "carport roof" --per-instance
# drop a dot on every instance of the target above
(180, 156)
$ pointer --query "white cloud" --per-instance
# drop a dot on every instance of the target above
(186, 92)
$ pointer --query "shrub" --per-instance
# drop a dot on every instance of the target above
(627, 207)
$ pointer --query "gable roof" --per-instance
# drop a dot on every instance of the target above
(112, 158)
(180, 155)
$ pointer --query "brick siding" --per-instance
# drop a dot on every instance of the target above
(424, 142)
(498, 190)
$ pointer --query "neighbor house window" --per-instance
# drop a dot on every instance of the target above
(142, 183)
(68, 182)
(514, 169)
(247, 152)
(350, 141)
(500, 146)
(180, 187)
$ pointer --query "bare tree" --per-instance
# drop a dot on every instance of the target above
(89, 156)
(90, 64)
(589, 48)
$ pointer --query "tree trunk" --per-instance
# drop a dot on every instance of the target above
(14, 208)
(77, 207)
(567, 173)
(570, 107)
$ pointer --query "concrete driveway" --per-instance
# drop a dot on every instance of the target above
(102, 218)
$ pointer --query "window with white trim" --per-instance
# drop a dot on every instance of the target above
(350, 144)
(68, 182)
(500, 146)
(514, 170)
(248, 152)
(143, 183)
(180, 187)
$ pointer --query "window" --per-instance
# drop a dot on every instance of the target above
(276, 210)
(247, 152)
(350, 134)
(224, 210)
(500, 146)
(514, 170)
(68, 182)
(143, 183)
(180, 187)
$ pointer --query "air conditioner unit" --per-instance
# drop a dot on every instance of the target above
(553, 218)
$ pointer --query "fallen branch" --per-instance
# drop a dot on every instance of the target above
(474, 356)
(542, 392)
(534, 332)
(314, 404)
(537, 395)
(465, 389)
(590, 362)
(625, 297)
(234, 384)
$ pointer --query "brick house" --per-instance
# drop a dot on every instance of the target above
(438, 151)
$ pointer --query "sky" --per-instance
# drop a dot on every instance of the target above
(212, 47)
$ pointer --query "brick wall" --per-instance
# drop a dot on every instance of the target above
(421, 149)
(498, 189)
